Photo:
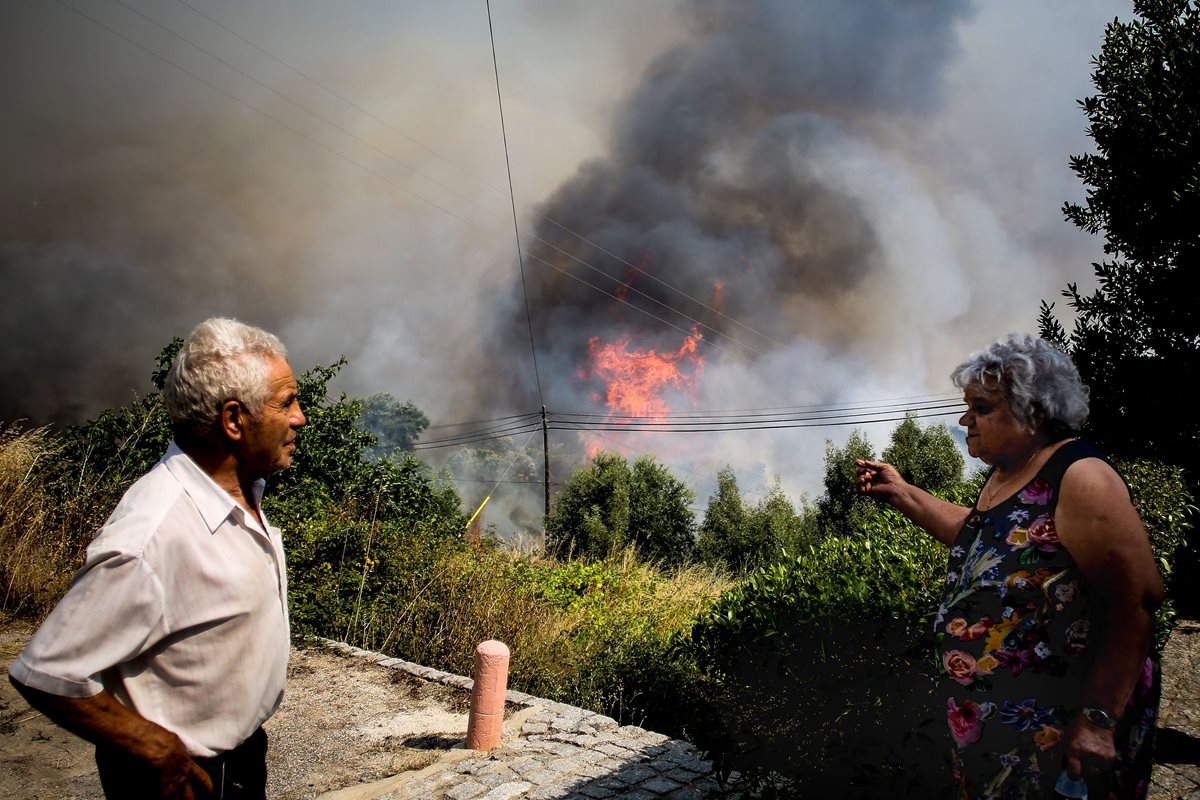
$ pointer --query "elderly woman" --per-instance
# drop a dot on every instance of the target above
(1049, 599)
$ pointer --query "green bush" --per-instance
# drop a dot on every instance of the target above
(612, 505)
(817, 668)
(1161, 496)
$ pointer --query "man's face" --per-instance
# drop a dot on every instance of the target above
(269, 439)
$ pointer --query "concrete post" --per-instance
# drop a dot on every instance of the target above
(485, 724)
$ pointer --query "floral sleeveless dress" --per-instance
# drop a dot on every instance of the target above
(1012, 636)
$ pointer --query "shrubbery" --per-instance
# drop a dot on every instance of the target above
(612, 505)
(816, 667)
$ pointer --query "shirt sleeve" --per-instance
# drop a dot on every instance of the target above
(112, 613)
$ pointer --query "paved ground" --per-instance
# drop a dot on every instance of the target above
(550, 751)
(1177, 750)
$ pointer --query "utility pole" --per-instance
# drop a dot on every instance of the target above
(546, 456)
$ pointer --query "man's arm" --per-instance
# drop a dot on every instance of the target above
(101, 719)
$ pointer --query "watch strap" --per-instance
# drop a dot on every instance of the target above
(1099, 717)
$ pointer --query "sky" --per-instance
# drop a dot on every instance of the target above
(794, 204)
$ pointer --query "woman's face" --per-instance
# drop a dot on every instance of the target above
(993, 433)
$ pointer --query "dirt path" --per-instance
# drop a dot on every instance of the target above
(342, 722)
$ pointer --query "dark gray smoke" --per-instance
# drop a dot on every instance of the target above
(875, 184)
(721, 171)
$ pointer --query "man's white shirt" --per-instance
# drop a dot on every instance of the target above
(180, 610)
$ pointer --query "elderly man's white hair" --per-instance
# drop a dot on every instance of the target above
(221, 360)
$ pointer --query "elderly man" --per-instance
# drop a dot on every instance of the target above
(170, 649)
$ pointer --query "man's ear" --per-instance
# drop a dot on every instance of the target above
(233, 417)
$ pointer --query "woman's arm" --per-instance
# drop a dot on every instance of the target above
(941, 519)
(1096, 521)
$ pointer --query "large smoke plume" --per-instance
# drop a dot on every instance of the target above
(875, 186)
(754, 155)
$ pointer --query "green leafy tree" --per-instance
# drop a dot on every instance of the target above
(609, 505)
(394, 424)
(841, 508)
(743, 538)
(1142, 322)
(724, 536)
(925, 456)
(775, 527)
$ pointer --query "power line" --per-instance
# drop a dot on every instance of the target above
(481, 435)
(483, 421)
(689, 334)
(648, 297)
(558, 423)
(295, 103)
(392, 158)
(697, 428)
(257, 110)
(493, 481)
(395, 160)
(798, 411)
(660, 281)
(340, 96)
(513, 203)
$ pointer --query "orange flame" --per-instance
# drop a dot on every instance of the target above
(635, 382)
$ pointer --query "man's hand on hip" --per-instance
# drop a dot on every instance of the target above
(103, 721)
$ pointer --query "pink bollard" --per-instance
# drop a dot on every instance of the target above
(485, 724)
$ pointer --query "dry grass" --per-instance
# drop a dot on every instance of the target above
(571, 644)
(40, 546)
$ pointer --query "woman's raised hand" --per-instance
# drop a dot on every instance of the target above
(877, 479)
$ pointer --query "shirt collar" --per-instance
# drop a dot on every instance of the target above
(214, 503)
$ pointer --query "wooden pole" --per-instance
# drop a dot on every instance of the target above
(546, 456)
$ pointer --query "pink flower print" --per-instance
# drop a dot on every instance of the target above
(956, 627)
(966, 722)
(1038, 493)
(960, 665)
(1043, 534)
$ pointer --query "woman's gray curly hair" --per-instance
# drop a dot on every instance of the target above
(221, 359)
(1043, 387)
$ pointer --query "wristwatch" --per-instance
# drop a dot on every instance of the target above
(1099, 718)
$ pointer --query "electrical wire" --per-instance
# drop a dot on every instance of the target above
(513, 203)
(652, 299)
(333, 92)
(259, 111)
(823, 423)
(689, 334)
(480, 435)
(661, 282)
(295, 103)
(483, 421)
(385, 154)
(723, 418)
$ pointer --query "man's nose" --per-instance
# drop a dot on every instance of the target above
(299, 420)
